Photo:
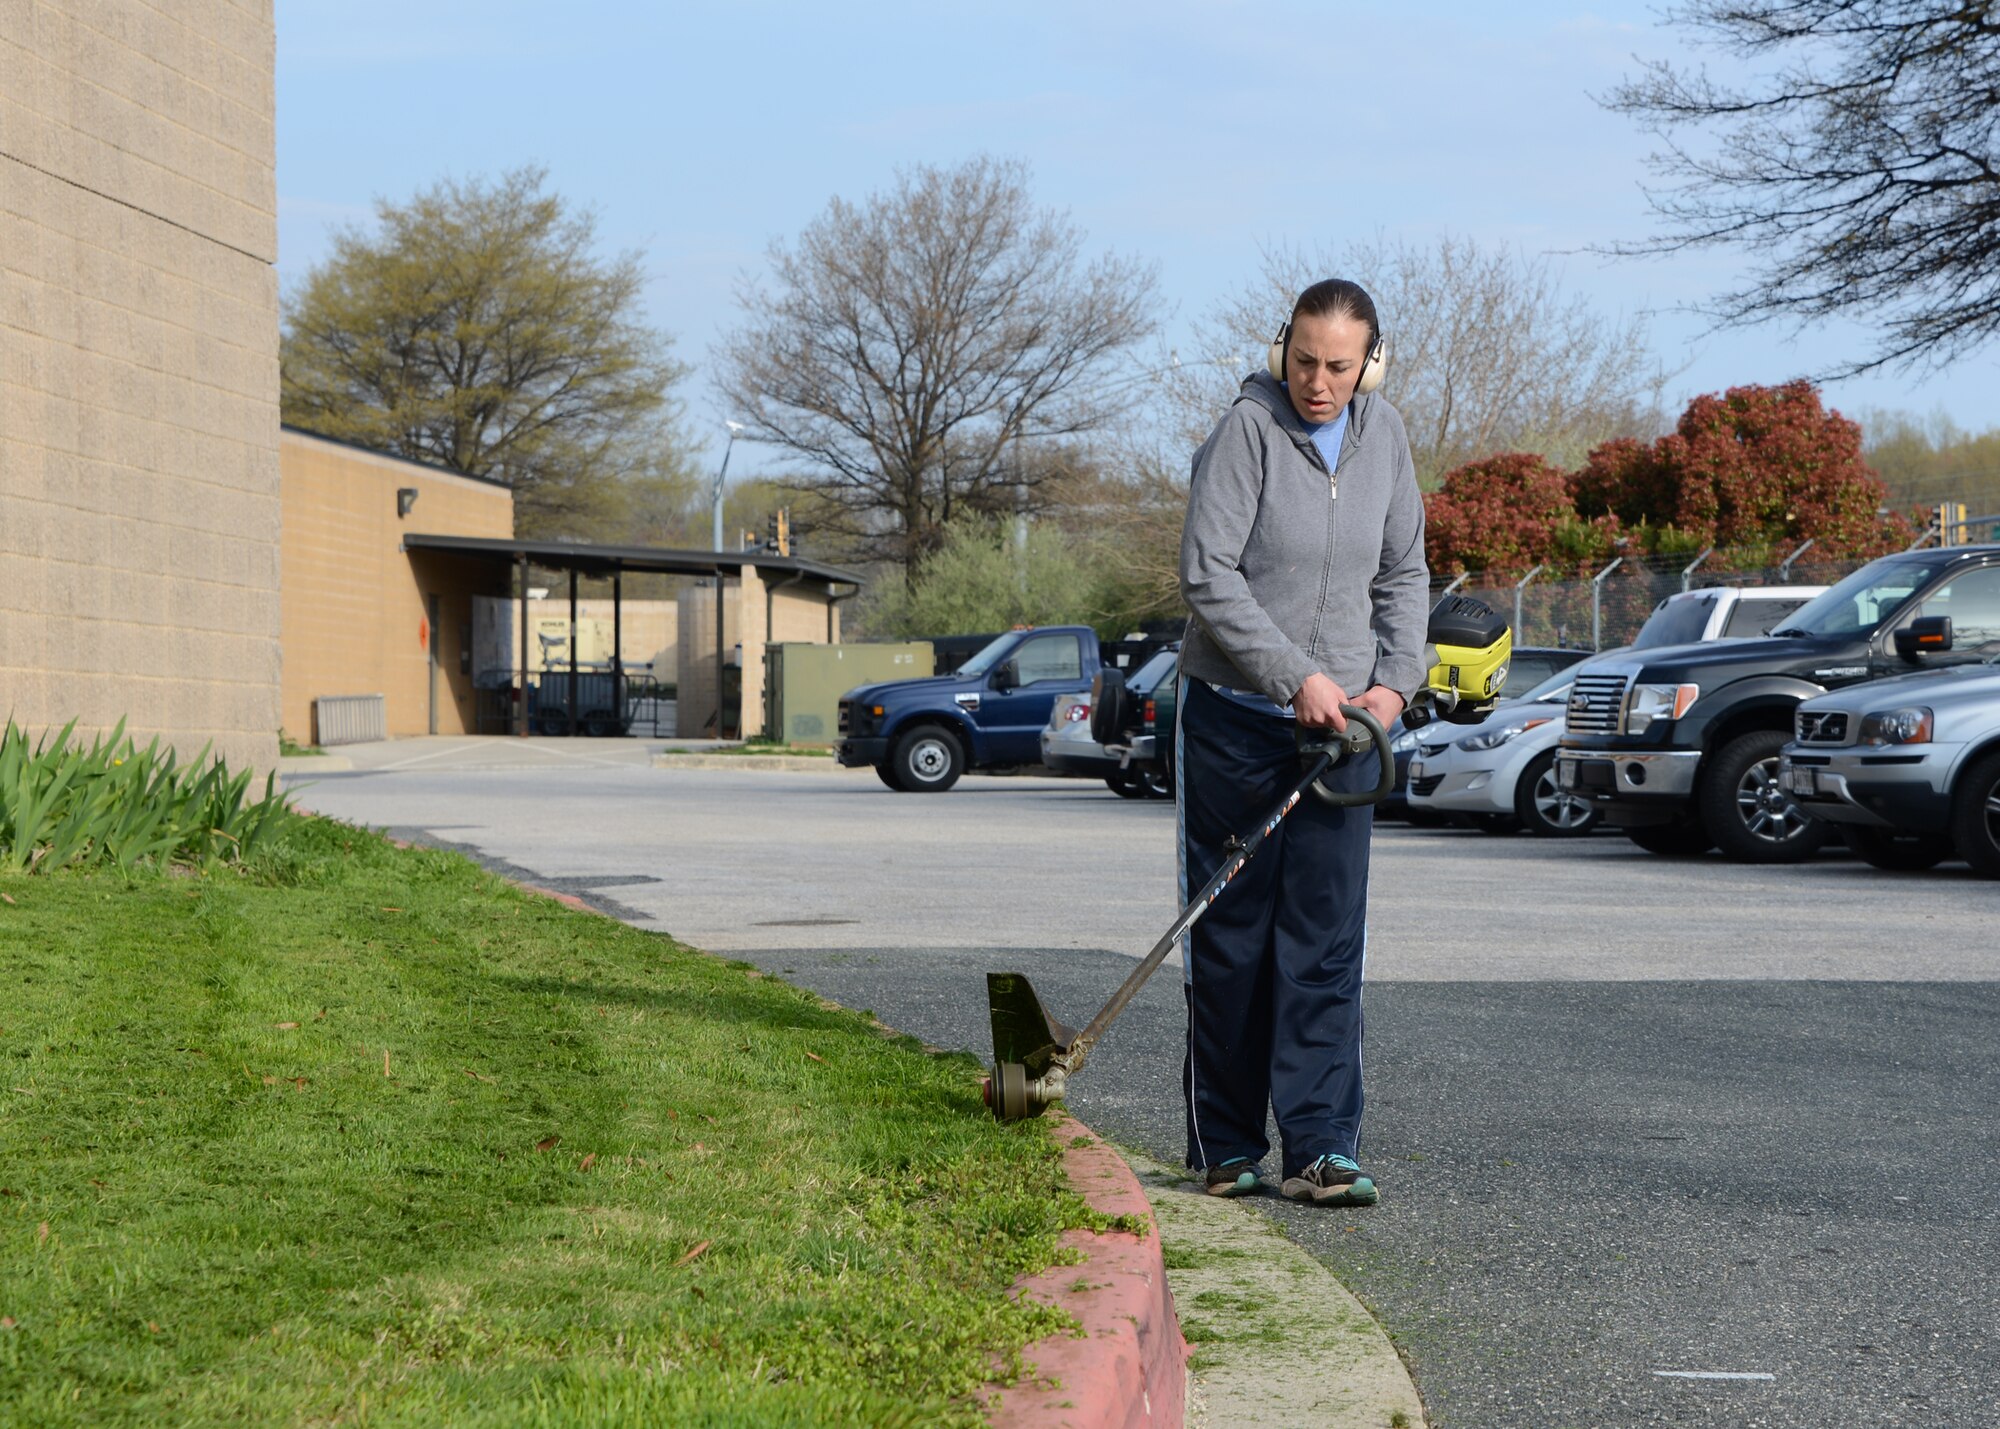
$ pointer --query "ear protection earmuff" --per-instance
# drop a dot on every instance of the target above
(1372, 367)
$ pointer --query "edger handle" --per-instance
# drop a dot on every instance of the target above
(1363, 730)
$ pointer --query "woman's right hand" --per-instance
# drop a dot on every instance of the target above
(1318, 702)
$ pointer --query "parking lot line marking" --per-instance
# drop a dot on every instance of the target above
(1712, 1374)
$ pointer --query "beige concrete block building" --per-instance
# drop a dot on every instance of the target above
(139, 506)
(361, 616)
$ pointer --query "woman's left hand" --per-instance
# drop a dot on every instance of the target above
(1382, 702)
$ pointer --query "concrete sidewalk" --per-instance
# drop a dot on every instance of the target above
(1276, 1339)
(456, 752)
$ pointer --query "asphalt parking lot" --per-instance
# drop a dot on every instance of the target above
(1638, 1123)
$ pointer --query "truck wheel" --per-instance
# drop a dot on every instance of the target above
(1125, 785)
(887, 774)
(1683, 838)
(928, 760)
(1897, 851)
(1546, 810)
(1751, 818)
(1975, 815)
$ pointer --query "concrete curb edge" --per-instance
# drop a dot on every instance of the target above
(765, 763)
(1128, 1369)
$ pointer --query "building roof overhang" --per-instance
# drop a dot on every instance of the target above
(588, 559)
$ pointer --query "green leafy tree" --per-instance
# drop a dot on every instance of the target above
(982, 577)
(476, 327)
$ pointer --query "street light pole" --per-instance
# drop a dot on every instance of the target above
(734, 428)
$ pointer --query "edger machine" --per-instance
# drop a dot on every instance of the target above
(1034, 1055)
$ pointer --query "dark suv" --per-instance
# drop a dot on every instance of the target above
(1679, 745)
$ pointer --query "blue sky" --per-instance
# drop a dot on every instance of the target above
(1190, 134)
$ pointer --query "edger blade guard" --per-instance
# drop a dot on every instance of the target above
(1027, 1043)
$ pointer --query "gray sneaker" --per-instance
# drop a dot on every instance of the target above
(1331, 1181)
(1235, 1177)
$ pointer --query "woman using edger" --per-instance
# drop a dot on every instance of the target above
(1302, 563)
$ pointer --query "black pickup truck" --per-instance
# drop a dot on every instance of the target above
(1679, 745)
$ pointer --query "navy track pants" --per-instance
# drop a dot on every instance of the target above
(1273, 969)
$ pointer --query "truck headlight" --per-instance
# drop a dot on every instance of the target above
(1904, 726)
(1494, 738)
(1404, 743)
(1651, 702)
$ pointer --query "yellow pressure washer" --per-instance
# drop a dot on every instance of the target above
(1034, 1055)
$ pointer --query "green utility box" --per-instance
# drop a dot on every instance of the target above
(803, 683)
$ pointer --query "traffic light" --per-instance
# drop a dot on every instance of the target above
(779, 531)
(1951, 523)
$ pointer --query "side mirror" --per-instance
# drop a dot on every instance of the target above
(1006, 677)
(1926, 635)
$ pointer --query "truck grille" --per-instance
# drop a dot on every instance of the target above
(1822, 726)
(1596, 704)
(1425, 787)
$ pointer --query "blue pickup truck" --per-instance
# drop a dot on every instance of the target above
(920, 735)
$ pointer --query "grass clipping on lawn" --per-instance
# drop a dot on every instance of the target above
(375, 1137)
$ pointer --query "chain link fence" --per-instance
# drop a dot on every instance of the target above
(1582, 613)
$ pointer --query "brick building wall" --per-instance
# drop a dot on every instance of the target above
(139, 513)
(361, 615)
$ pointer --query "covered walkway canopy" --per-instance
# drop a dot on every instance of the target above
(510, 556)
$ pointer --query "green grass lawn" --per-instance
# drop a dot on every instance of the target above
(371, 1137)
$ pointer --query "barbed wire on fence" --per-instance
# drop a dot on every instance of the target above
(1579, 613)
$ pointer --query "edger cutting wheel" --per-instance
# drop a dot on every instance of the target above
(1010, 1092)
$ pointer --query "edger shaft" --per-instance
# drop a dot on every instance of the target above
(1034, 1055)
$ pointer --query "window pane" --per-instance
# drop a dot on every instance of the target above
(1752, 618)
(1050, 657)
(1678, 622)
(1972, 600)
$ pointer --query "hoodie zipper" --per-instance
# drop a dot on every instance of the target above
(1326, 566)
(1332, 526)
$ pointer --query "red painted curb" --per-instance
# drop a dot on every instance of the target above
(1128, 1370)
(568, 900)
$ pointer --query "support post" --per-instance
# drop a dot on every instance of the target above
(521, 681)
(1458, 581)
(1687, 572)
(1597, 602)
(1785, 569)
(721, 653)
(572, 651)
(618, 647)
(1519, 586)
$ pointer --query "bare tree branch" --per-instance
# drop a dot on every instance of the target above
(915, 351)
(1486, 351)
(1859, 171)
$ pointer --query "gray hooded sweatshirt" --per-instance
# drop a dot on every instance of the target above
(1288, 568)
